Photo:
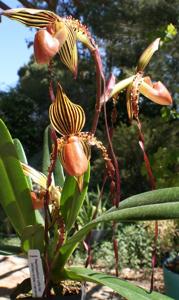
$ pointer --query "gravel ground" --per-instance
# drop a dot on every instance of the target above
(13, 269)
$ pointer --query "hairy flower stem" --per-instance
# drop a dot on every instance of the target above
(116, 199)
(99, 79)
(46, 202)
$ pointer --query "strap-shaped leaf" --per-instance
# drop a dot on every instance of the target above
(23, 159)
(47, 149)
(31, 17)
(65, 116)
(122, 287)
(160, 205)
(14, 191)
(72, 199)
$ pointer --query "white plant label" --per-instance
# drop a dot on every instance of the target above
(36, 273)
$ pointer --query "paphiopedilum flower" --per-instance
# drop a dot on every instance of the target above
(68, 119)
(138, 83)
(55, 35)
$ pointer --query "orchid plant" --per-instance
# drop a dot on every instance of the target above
(46, 219)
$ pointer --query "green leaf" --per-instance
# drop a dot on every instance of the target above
(170, 33)
(122, 287)
(33, 238)
(14, 192)
(47, 148)
(8, 201)
(72, 199)
(156, 208)
(157, 196)
(22, 157)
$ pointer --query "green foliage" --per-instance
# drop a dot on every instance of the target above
(170, 32)
(72, 198)
(15, 194)
(58, 173)
(163, 156)
(124, 288)
(154, 205)
(88, 210)
(135, 246)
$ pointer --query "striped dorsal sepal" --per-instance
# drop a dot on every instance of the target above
(32, 17)
(66, 117)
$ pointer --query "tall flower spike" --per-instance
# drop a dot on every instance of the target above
(66, 117)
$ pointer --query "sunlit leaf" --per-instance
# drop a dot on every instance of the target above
(72, 198)
(122, 287)
(33, 238)
(160, 205)
(15, 195)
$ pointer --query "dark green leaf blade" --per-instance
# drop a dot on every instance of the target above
(122, 287)
(17, 202)
(152, 211)
(72, 199)
(22, 157)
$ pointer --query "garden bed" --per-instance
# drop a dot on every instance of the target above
(14, 269)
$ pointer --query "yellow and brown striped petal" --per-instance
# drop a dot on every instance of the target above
(68, 51)
(66, 117)
(32, 17)
(36, 176)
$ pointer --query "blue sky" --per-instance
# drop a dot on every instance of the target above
(13, 48)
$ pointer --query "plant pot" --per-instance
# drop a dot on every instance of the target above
(171, 281)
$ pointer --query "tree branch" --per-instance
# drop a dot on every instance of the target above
(52, 4)
(4, 6)
(25, 3)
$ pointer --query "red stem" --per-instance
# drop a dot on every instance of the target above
(153, 187)
(99, 76)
